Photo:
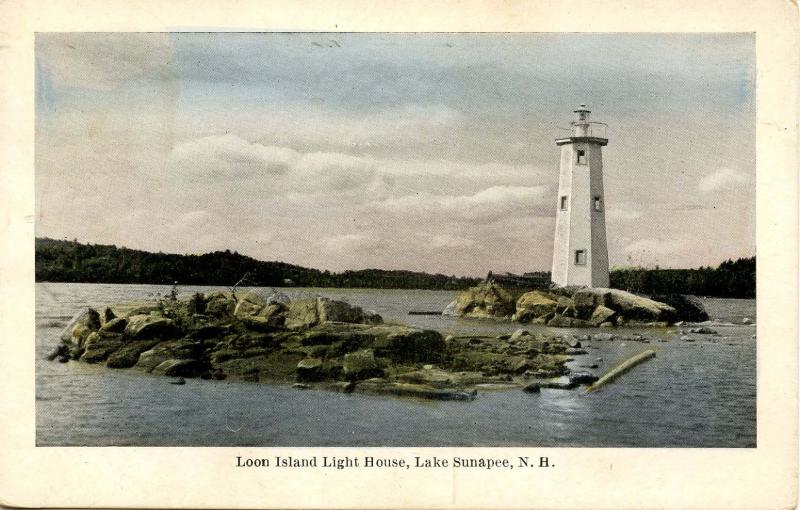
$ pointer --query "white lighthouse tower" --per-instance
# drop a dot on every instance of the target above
(580, 253)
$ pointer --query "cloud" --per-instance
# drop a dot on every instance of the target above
(489, 204)
(722, 178)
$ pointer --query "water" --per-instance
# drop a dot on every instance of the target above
(700, 394)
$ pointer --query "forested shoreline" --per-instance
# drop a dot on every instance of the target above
(71, 261)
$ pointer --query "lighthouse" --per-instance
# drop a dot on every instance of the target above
(580, 252)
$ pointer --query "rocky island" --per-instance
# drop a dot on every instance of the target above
(575, 307)
(310, 342)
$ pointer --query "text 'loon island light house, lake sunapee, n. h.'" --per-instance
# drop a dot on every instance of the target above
(580, 252)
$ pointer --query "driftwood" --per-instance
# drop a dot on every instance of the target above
(621, 369)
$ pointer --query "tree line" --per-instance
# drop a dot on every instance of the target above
(71, 261)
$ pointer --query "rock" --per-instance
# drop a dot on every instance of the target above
(79, 328)
(579, 378)
(361, 365)
(687, 339)
(607, 325)
(248, 304)
(220, 305)
(626, 304)
(593, 365)
(747, 321)
(435, 378)
(521, 366)
(301, 313)
(343, 386)
(620, 321)
(150, 326)
(558, 383)
(602, 314)
(571, 341)
(563, 303)
(450, 310)
(179, 368)
(108, 315)
(487, 300)
(115, 325)
(532, 388)
(753, 336)
(128, 354)
(574, 352)
(171, 349)
(406, 344)
(329, 310)
(179, 381)
(518, 334)
(687, 307)
(309, 369)
(604, 337)
(680, 323)
(703, 331)
(99, 345)
(301, 386)
(534, 304)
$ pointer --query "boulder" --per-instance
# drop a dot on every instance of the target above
(578, 378)
(329, 310)
(450, 310)
(487, 300)
(432, 377)
(79, 328)
(108, 315)
(626, 304)
(150, 326)
(301, 313)
(747, 321)
(99, 345)
(587, 299)
(604, 337)
(687, 307)
(115, 325)
(532, 388)
(248, 304)
(563, 303)
(309, 370)
(703, 331)
(406, 344)
(171, 349)
(361, 365)
(179, 368)
(602, 314)
(534, 304)
(220, 305)
(127, 355)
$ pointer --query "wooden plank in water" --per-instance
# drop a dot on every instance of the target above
(622, 368)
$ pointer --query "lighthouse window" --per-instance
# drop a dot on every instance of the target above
(580, 257)
(564, 203)
(598, 204)
(581, 157)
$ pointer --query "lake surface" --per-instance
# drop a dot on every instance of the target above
(698, 394)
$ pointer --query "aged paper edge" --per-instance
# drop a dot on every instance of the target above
(762, 477)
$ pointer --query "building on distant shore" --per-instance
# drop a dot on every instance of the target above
(580, 252)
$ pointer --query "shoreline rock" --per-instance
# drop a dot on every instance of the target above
(308, 342)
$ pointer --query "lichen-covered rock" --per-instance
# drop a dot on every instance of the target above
(309, 370)
(487, 300)
(687, 307)
(183, 348)
(628, 305)
(180, 368)
(602, 314)
(248, 304)
(532, 305)
(150, 326)
(302, 313)
(115, 325)
(99, 345)
(220, 305)
(560, 321)
(406, 344)
(361, 365)
(128, 354)
(79, 328)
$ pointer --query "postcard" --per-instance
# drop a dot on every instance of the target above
(496, 255)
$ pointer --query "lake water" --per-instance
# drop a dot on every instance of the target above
(698, 394)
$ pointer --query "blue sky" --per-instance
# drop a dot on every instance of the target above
(429, 152)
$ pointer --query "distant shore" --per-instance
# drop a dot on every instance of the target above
(74, 262)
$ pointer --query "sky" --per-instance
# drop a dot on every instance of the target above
(427, 152)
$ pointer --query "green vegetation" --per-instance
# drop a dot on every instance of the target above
(732, 279)
(71, 261)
